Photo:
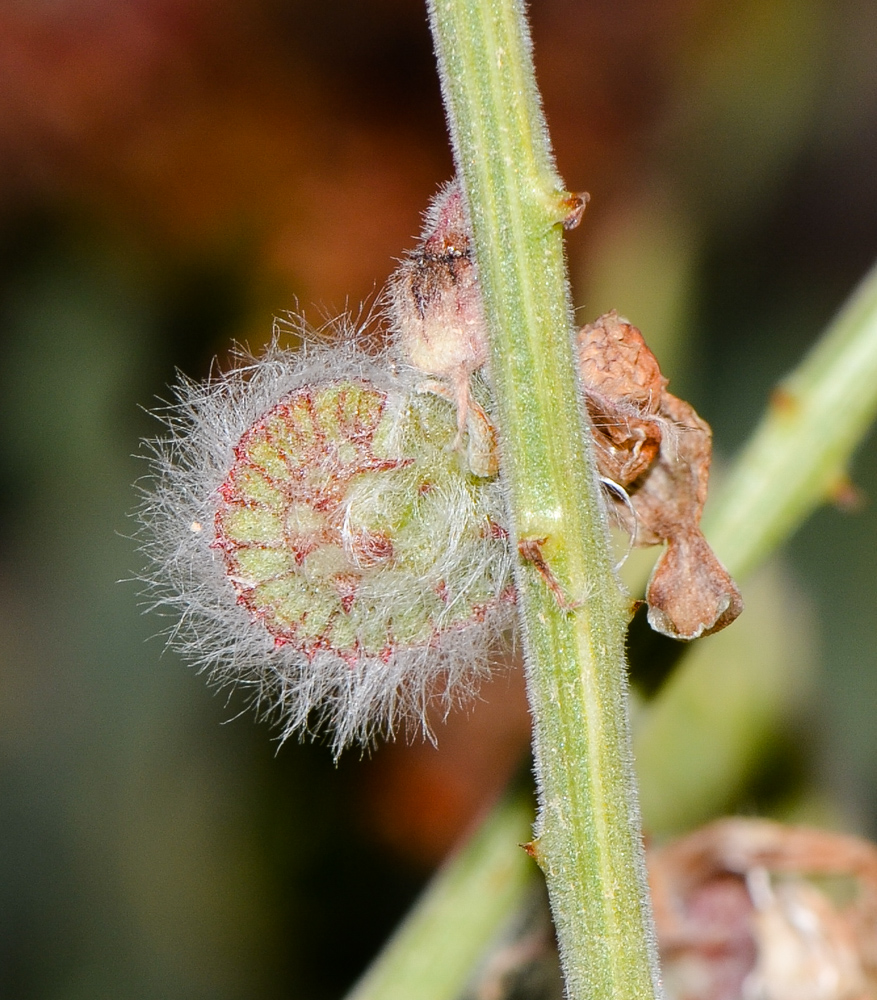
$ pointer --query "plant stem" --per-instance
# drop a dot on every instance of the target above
(797, 458)
(432, 954)
(755, 497)
(588, 841)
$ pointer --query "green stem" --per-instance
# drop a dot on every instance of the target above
(761, 502)
(799, 453)
(588, 841)
(432, 954)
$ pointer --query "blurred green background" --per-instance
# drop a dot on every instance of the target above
(173, 173)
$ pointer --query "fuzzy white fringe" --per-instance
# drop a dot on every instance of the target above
(324, 693)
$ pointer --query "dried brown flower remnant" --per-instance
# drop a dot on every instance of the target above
(434, 306)
(623, 385)
(658, 449)
(737, 919)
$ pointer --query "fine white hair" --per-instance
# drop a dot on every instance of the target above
(321, 691)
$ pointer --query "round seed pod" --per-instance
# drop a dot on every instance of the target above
(324, 543)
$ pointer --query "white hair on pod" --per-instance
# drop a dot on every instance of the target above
(454, 546)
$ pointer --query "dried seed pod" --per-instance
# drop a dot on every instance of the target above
(657, 448)
(347, 565)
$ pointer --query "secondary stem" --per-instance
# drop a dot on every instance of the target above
(588, 838)
(799, 453)
(431, 957)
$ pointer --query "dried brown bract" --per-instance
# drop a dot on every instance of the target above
(623, 386)
(658, 450)
(737, 918)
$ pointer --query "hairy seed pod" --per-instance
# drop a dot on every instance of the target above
(325, 543)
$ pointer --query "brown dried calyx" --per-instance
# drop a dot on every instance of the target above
(658, 450)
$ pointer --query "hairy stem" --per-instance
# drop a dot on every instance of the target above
(573, 610)
(760, 504)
